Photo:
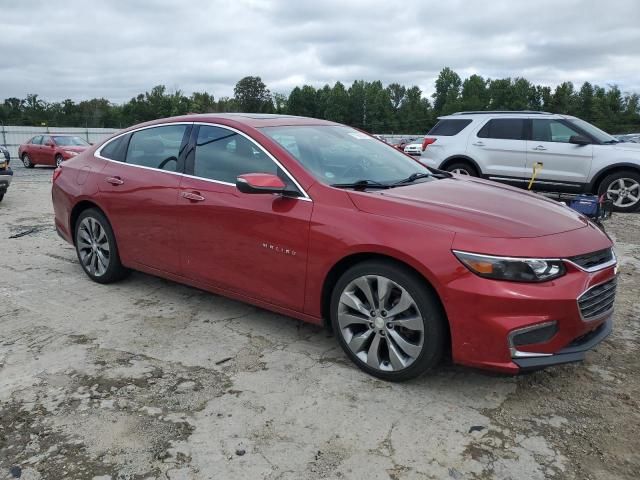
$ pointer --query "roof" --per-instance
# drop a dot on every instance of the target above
(255, 120)
(492, 112)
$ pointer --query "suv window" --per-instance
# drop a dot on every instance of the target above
(157, 147)
(36, 140)
(448, 127)
(223, 154)
(503, 128)
(551, 131)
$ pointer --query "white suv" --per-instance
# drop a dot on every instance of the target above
(574, 156)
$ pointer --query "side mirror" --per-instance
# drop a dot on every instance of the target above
(579, 140)
(260, 183)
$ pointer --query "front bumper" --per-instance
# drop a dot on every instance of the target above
(5, 179)
(484, 316)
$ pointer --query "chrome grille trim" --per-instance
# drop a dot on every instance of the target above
(598, 300)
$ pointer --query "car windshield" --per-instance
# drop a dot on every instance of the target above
(343, 155)
(70, 141)
(599, 135)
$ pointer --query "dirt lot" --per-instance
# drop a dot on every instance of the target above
(150, 379)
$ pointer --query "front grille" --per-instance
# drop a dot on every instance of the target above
(592, 260)
(597, 300)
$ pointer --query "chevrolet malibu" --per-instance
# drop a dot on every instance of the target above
(50, 149)
(324, 223)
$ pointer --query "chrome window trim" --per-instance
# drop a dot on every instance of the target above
(97, 153)
(603, 314)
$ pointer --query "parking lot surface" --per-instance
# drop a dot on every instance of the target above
(150, 379)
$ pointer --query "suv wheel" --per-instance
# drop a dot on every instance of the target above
(623, 189)
(462, 168)
(386, 321)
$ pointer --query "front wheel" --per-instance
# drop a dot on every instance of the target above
(26, 161)
(387, 320)
(623, 189)
(59, 160)
(96, 248)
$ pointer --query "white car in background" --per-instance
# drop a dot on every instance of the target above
(414, 147)
(572, 155)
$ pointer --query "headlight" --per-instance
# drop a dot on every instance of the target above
(512, 269)
(71, 154)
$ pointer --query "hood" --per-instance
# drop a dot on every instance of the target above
(472, 206)
(628, 147)
(74, 148)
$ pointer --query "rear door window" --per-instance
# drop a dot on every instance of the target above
(116, 149)
(157, 147)
(449, 127)
(36, 140)
(504, 129)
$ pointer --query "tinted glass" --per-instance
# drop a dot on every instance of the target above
(592, 130)
(551, 131)
(157, 147)
(503, 128)
(36, 140)
(116, 149)
(70, 141)
(223, 154)
(449, 128)
(46, 139)
(337, 154)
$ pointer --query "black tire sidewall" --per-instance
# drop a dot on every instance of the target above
(26, 161)
(115, 270)
(61, 160)
(609, 179)
(433, 317)
(465, 166)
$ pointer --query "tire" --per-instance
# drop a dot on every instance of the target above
(462, 168)
(97, 249)
(627, 183)
(1, 196)
(394, 353)
(59, 160)
(26, 161)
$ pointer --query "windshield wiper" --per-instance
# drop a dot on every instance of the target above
(361, 184)
(412, 178)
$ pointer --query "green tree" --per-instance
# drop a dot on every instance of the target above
(446, 97)
(252, 95)
(475, 95)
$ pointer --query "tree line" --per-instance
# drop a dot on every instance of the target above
(371, 106)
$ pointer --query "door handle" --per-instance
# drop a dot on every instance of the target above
(114, 180)
(539, 148)
(193, 196)
(478, 144)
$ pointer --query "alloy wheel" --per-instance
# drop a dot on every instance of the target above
(624, 192)
(58, 161)
(93, 247)
(460, 171)
(380, 322)
(26, 161)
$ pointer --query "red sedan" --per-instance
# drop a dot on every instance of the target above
(50, 149)
(324, 223)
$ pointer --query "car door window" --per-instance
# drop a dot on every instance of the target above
(551, 131)
(503, 128)
(157, 147)
(46, 139)
(36, 140)
(223, 155)
(116, 149)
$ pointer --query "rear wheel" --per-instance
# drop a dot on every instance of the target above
(96, 248)
(623, 189)
(462, 168)
(387, 321)
(26, 161)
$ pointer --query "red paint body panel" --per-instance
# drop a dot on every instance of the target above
(277, 252)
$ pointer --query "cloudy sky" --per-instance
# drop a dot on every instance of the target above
(117, 48)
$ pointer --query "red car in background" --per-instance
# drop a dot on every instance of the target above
(321, 222)
(51, 149)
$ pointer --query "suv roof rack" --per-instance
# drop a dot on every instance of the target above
(489, 112)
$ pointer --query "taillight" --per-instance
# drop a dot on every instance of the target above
(426, 142)
(56, 173)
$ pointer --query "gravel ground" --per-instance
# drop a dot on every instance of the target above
(150, 379)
